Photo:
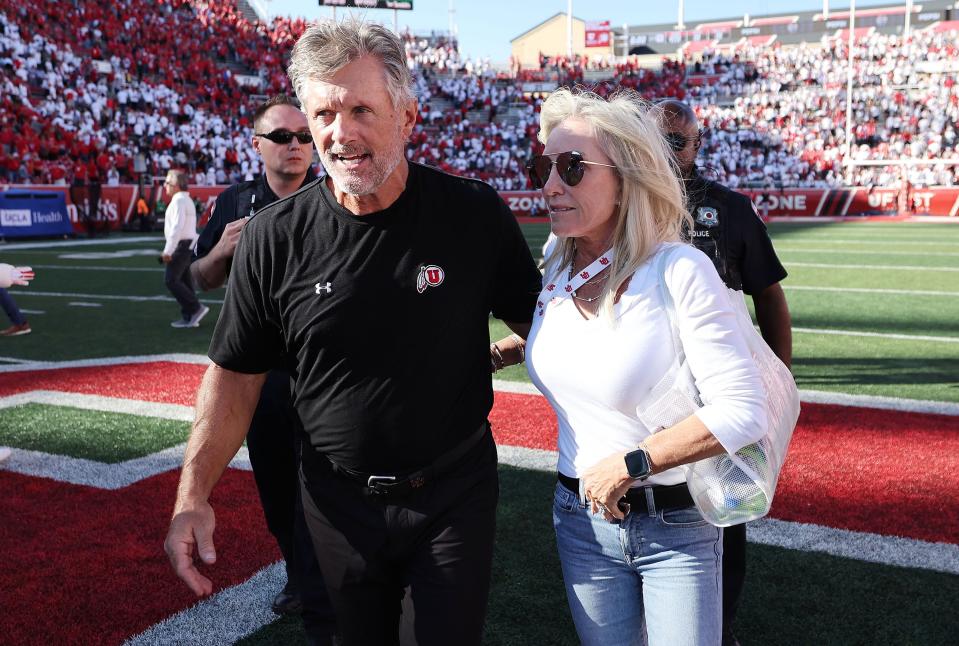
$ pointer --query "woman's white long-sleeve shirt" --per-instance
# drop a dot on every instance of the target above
(595, 373)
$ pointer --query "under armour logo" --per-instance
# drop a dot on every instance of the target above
(328, 288)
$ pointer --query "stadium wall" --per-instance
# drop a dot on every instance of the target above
(117, 203)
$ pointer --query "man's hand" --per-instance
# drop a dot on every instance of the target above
(228, 241)
(166, 258)
(10, 275)
(191, 533)
(605, 483)
(21, 276)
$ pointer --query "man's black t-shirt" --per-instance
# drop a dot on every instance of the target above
(381, 318)
(728, 230)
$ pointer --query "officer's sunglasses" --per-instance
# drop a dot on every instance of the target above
(570, 165)
(283, 137)
(677, 140)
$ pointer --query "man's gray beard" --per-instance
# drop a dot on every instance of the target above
(383, 167)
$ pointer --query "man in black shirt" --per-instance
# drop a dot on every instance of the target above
(285, 145)
(728, 230)
(361, 285)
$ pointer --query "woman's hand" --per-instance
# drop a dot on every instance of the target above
(605, 483)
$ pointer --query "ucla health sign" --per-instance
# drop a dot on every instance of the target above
(32, 214)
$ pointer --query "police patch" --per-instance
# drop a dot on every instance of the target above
(707, 216)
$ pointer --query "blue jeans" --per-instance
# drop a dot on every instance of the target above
(654, 578)
(10, 307)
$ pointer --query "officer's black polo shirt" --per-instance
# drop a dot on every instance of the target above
(382, 318)
(728, 230)
(238, 201)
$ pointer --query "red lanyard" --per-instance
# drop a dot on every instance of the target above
(567, 286)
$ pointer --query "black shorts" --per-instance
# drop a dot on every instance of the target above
(412, 569)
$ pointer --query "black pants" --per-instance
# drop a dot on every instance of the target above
(273, 444)
(411, 569)
(178, 279)
(734, 573)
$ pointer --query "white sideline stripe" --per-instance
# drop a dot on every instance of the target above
(862, 252)
(111, 297)
(873, 240)
(522, 457)
(97, 268)
(879, 335)
(177, 357)
(858, 546)
(806, 396)
(83, 304)
(183, 413)
(15, 360)
(101, 475)
(176, 412)
(53, 244)
(224, 618)
(825, 265)
(870, 290)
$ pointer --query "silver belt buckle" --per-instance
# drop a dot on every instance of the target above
(375, 482)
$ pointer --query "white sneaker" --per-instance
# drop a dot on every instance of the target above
(200, 313)
(181, 323)
(4, 453)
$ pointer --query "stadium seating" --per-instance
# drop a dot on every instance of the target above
(88, 87)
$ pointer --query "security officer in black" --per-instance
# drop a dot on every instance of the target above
(728, 230)
(285, 145)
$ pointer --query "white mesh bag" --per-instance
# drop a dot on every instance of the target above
(728, 489)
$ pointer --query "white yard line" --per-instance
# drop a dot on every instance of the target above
(879, 335)
(90, 473)
(110, 297)
(100, 403)
(871, 290)
(97, 268)
(873, 240)
(787, 248)
(222, 619)
(56, 244)
(825, 265)
(858, 546)
(197, 359)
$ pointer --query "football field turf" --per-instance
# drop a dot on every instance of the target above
(861, 546)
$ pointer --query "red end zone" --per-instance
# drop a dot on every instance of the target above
(87, 565)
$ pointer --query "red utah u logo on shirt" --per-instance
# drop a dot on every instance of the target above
(429, 276)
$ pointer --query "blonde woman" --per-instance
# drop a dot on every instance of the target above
(637, 556)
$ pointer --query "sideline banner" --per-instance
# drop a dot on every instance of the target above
(806, 202)
(116, 205)
(33, 213)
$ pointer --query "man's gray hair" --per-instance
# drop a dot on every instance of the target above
(329, 46)
(180, 178)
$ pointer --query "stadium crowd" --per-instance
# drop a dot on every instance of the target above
(107, 83)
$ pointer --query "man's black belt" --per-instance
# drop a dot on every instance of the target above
(402, 485)
(664, 496)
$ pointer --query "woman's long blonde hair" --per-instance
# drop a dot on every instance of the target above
(652, 202)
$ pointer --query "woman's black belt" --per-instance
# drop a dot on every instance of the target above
(402, 485)
(665, 496)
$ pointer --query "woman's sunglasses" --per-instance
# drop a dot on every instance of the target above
(677, 140)
(571, 167)
(284, 137)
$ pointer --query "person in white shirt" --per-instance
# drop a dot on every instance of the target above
(179, 229)
(638, 558)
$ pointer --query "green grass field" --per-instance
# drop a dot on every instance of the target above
(875, 308)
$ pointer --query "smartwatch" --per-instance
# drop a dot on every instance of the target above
(638, 464)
